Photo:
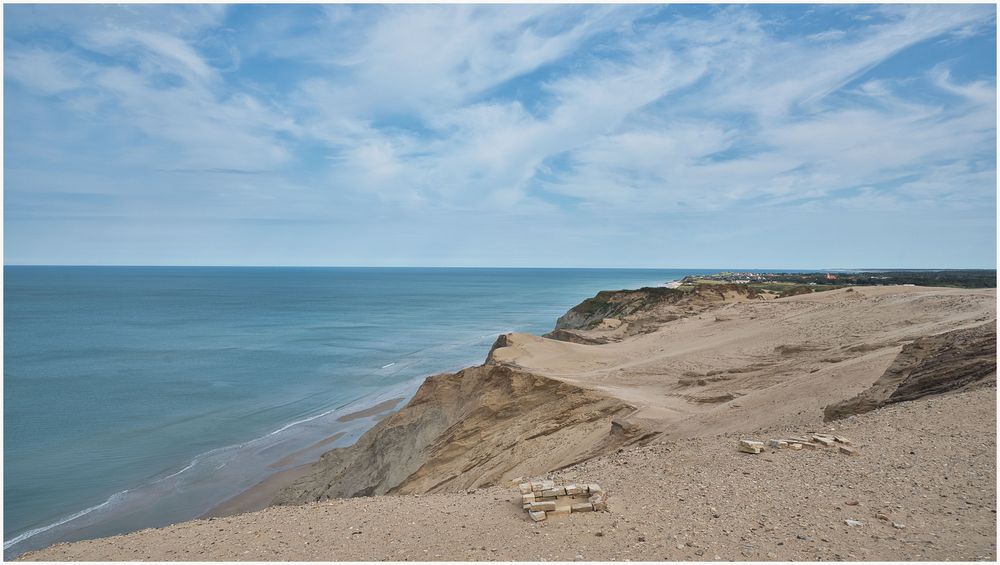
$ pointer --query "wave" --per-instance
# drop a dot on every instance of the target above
(350, 406)
(409, 360)
(32, 533)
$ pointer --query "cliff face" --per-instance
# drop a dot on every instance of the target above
(615, 314)
(931, 365)
(473, 428)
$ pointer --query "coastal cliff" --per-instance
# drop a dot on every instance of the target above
(613, 315)
(698, 384)
(473, 428)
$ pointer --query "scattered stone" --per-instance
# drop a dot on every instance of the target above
(898, 526)
(851, 503)
(536, 515)
(881, 516)
(843, 440)
(599, 501)
(750, 446)
(525, 488)
(777, 443)
(854, 523)
(795, 446)
(847, 450)
(823, 440)
(680, 546)
(543, 506)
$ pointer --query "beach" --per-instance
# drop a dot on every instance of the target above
(655, 416)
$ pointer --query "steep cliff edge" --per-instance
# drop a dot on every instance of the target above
(613, 315)
(473, 428)
(930, 365)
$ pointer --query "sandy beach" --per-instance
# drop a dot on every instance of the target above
(261, 494)
(655, 416)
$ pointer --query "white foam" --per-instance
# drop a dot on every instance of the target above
(32, 533)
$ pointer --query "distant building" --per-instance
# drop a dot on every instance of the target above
(831, 277)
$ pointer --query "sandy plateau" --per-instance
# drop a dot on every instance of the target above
(654, 415)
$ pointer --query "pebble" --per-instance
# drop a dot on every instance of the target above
(854, 523)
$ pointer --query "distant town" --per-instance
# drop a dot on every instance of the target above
(963, 278)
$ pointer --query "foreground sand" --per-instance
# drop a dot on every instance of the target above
(929, 465)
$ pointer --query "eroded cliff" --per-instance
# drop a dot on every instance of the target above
(930, 365)
(473, 428)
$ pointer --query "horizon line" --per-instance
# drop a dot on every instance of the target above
(766, 269)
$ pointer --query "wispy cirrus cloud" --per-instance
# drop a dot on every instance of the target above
(566, 116)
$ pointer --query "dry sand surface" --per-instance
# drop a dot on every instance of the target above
(747, 369)
(928, 465)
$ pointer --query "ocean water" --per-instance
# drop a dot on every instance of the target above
(142, 396)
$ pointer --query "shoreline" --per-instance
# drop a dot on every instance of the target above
(261, 494)
(818, 356)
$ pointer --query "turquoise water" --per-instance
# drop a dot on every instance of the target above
(141, 396)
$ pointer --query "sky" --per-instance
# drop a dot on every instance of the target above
(713, 136)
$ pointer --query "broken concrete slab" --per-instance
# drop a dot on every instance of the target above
(542, 506)
(750, 446)
(847, 450)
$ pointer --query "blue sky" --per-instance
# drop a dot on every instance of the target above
(785, 136)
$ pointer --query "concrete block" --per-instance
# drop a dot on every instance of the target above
(573, 489)
(599, 501)
(582, 507)
(547, 485)
(536, 486)
(843, 440)
(594, 488)
(750, 446)
(847, 450)
(525, 488)
(823, 440)
(526, 498)
(554, 492)
(795, 446)
(806, 444)
(542, 506)
(778, 443)
(537, 516)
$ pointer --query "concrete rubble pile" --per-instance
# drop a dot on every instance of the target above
(543, 499)
(796, 443)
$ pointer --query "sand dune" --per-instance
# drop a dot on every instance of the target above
(655, 417)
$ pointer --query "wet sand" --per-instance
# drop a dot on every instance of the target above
(284, 461)
(377, 409)
(260, 495)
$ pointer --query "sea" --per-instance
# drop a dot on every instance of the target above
(137, 397)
